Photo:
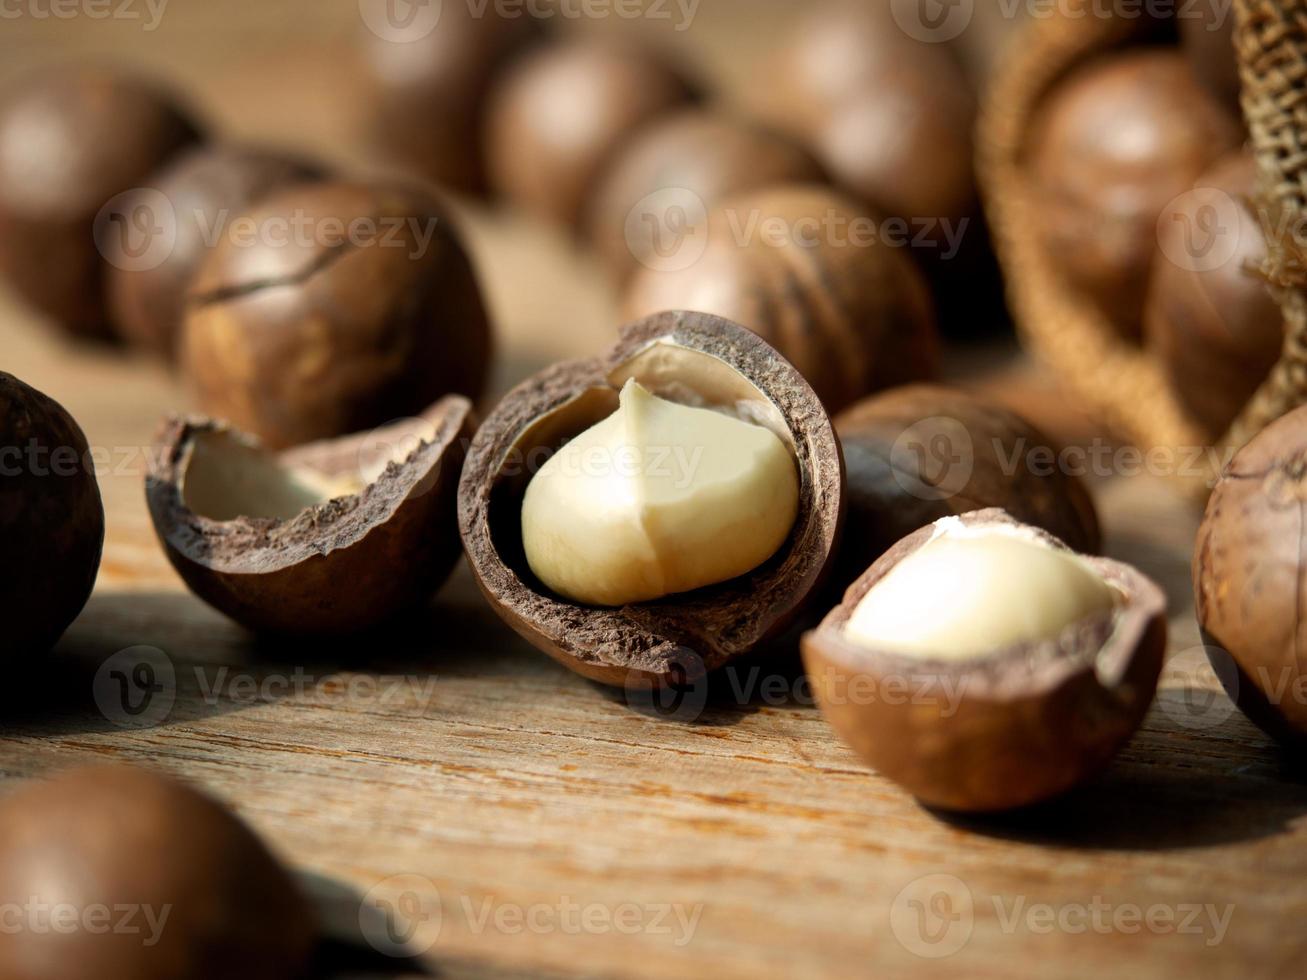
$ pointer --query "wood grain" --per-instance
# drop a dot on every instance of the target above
(446, 751)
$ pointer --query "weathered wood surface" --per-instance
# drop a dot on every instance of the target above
(565, 830)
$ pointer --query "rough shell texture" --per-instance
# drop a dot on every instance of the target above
(338, 567)
(428, 86)
(51, 520)
(118, 837)
(1014, 728)
(923, 452)
(206, 189)
(558, 116)
(1217, 328)
(1111, 146)
(691, 160)
(853, 316)
(1250, 565)
(683, 636)
(333, 331)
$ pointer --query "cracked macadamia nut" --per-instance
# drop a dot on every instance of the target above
(332, 537)
(800, 267)
(71, 140)
(207, 900)
(349, 306)
(557, 117)
(1250, 578)
(656, 499)
(51, 520)
(199, 194)
(1111, 146)
(1030, 665)
(650, 514)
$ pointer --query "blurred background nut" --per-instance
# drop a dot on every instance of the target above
(51, 520)
(206, 189)
(804, 268)
(559, 114)
(71, 140)
(1210, 317)
(352, 306)
(1112, 145)
(1207, 36)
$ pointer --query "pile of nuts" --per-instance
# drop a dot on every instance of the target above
(742, 459)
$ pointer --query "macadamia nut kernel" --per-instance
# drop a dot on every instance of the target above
(657, 499)
(1000, 588)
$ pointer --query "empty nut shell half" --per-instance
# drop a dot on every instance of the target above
(1006, 729)
(332, 537)
(694, 359)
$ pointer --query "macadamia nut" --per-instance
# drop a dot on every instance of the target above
(968, 593)
(658, 498)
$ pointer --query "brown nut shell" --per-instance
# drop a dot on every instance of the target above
(203, 191)
(1207, 36)
(557, 117)
(1111, 146)
(354, 304)
(51, 520)
(337, 566)
(1250, 566)
(689, 357)
(207, 899)
(684, 165)
(70, 142)
(1210, 318)
(1013, 728)
(854, 315)
(922, 452)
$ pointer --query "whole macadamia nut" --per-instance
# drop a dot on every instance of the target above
(559, 115)
(51, 520)
(70, 142)
(341, 307)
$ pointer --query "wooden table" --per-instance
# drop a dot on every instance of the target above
(534, 823)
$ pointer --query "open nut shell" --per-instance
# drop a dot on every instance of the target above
(689, 357)
(1015, 727)
(339, 566)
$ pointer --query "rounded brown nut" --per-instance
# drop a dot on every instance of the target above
(1009, 728)
(70, 142)
(51, 520)
(1248, 578)
(923, 452)
(693, 359)
(802, 268)
(202, 191)
(1110, 147)
(558, 116)
(676, 170)
(428, 83)
(195, 895)
(329, 538)
(1210, 318)
(349, 305)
